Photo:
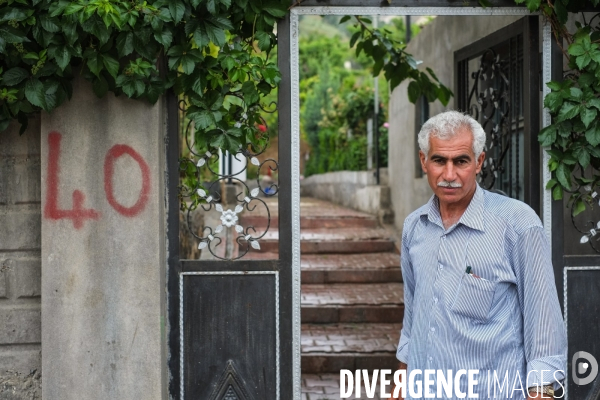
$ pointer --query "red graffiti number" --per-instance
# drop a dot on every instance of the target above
(78, 214)
(115, 152)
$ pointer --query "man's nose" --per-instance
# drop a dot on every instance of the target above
(449, 173)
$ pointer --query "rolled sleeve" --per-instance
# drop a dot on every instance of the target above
(545, 341)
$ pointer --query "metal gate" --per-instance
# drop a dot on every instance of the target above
(497, 82)
(233, 329)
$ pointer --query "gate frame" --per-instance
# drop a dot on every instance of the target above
(288, 37)
(289, 165)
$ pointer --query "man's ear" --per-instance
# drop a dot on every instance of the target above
(480, 162)
(423, 165)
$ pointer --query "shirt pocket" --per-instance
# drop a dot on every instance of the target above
(474, 297)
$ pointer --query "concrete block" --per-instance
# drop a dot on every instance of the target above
(20, 386)
(20, 325)
(103, 263)
(21, 227)
(20, 359)
(4, 266)
(20, 180)
(28, 278)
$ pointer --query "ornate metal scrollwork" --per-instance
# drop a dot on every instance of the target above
(591, 229)
(491, 107)
(209, 198)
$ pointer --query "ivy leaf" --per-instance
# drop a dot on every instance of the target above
(275, 11)
(203, 119)
(95, 64)
(345, 18)
(533, 5)
(215, 34)
(211, 6)
(547, 136)
(112, 65)
(579, 207)
(264, 40)
(49, 24)
(551, 183)
(588, 115)
(567, 111)
(561, 12)
(177, 10)
(593, 135)
(553, 101)
(14, 76)
(125, 43)
(100, 87)
(557, 193)
(563, 174)
(414, 92)
(164, 37)
(62, 55)
(595, 102)
(10, 13)
(583, 157)
(34, 91)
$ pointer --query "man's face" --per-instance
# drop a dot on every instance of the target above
(451, 167)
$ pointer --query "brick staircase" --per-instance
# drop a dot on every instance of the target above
(351, 293)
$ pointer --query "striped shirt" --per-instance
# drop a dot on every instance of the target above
(502, 317)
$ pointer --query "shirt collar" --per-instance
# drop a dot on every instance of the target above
(472, 217)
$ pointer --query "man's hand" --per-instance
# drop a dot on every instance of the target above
(538, 396)
(402, 366)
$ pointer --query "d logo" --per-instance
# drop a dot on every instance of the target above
(581, 367)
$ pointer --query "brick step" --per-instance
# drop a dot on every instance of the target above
(319, 241)
(351, 268)
(341, 302)
(316, 222)
(344, 268)
(331, 347)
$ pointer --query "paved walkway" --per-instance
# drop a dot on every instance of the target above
(352, 292)
(352, 297)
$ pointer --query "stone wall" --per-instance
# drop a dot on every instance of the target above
(20, 263)
(435, 46)
(353, 189)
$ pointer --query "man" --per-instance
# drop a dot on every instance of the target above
(479, 291)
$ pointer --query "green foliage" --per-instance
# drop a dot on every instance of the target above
(573, 139)
(388, 55)
(213, 53)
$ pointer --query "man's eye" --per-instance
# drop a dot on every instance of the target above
(438, 161)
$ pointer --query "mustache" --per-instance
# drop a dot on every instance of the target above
(447, 184)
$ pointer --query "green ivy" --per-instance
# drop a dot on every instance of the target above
(573, 138)
(213, 53)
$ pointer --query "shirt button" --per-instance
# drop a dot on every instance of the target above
(435, 300)
(441, 267)
(432, 329)
(430, 358)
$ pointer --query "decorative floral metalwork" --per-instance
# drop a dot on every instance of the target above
(194, 195)
(591, 230)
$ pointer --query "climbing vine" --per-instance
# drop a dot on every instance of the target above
(573, 138)
(213, 53)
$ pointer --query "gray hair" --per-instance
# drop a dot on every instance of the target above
(446, 125)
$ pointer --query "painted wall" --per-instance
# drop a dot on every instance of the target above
(103, 248)
(435, 46)
(20, 263)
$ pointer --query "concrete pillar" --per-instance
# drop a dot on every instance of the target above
(103, 248)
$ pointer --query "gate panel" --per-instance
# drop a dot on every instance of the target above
(231, 317)
(230, 326)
